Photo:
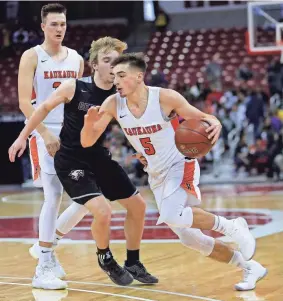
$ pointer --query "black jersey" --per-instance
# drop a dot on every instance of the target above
(87, 94)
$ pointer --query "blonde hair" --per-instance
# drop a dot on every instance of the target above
(105, 44)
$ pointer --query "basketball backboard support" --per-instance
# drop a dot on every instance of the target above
(265, 27)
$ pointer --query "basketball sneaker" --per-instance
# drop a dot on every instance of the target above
(57, 268)
(253, 272)
(45, 278)
(115, 272)
(241, 234)
(139, 272)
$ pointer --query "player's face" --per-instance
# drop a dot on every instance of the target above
(104, 67)
(127, 79)
(54, 27)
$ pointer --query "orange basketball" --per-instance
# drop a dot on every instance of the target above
(191, 138)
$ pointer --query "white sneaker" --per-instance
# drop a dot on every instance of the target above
(243, 237)
(252, 273)
(45, 278)
(43, 295)
(57, 268)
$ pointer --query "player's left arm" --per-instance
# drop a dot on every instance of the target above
(82, 66)
(96, 121)
(174, 101)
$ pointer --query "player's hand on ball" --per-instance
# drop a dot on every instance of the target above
(18, 146)
(141, 158)
(214, 129)
(52, 143)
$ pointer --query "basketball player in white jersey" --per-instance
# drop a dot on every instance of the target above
(145, 115)
(42, 69)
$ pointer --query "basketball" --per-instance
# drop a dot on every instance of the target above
(191, 138)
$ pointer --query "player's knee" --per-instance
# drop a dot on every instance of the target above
(135, 205)
(182, 218)
(53, 198)
(196, 240)
(103, 216)
(100, 209)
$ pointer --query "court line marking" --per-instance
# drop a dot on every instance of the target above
(117, 286)
(87, 291)
(87, 242)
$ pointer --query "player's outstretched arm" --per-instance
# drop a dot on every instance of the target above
(63, 94)
(174, 101)
(96, 121)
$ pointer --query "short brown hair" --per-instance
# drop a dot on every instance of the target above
(105, 44)
(52, 8)
(136, 60)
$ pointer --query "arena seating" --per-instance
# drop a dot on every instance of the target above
(183, 55)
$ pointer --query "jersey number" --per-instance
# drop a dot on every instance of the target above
(56, 85)
(148, 147)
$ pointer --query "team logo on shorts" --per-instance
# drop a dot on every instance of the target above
(76, 174)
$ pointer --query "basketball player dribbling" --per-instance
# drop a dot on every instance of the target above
(42, 69)
(145, 114)
(86, 174)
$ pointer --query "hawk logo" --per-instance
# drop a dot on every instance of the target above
(76, 174)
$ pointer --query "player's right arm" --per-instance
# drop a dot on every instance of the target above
(63, 94)
(96, 121)
(27, 67)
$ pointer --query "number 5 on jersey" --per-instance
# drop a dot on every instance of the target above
(147, 145)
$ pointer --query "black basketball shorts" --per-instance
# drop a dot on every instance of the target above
(85, 179)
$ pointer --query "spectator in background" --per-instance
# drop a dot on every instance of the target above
(12, 9)
(244, 73)
(6, 46)
(20, 36)
(214, 73)
(227, 125)
(278, 160)
(241, 155)
(275, 122)
(258, 156)
(275, 77)
(162, 20)
(255, 111)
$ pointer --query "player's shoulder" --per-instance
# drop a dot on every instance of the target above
(73, 51)
(29, 59)
(168, 93)
(85, 83)
(29, 54)
(111, 100)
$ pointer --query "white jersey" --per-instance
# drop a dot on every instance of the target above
(152, 135)
(49, 75)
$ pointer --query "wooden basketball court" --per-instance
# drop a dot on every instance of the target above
(183, 274)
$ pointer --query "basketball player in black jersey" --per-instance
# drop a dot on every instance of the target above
(89, 174)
